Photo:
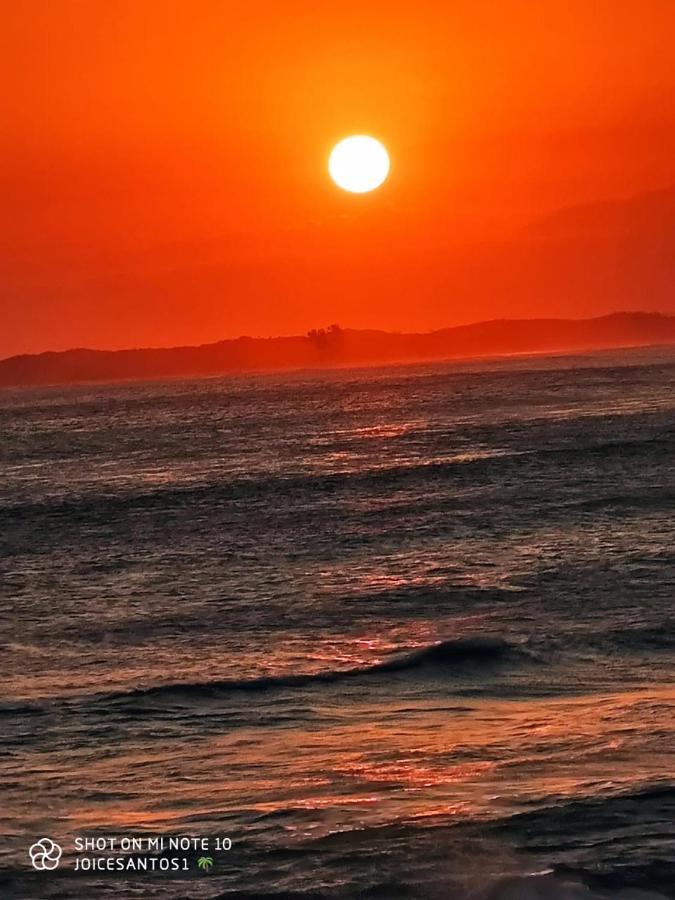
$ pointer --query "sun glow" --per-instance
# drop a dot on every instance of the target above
(359, 164)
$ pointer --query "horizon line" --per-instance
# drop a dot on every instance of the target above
(336, 327)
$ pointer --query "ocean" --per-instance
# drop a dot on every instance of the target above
(402, 632)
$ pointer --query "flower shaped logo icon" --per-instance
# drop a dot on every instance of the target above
(45, 854)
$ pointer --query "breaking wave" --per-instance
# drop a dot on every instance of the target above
(452, 654)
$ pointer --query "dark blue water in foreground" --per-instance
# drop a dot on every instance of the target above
(397, 633)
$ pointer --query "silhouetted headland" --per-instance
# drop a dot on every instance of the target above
(337, 346)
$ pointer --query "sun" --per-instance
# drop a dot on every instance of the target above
(359, 164)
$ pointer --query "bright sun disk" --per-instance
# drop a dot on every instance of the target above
(359, 164)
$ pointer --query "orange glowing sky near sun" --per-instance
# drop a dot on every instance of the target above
(164, 176)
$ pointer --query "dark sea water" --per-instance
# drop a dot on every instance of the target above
(397, 633)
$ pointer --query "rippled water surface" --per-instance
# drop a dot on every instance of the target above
(403, 632)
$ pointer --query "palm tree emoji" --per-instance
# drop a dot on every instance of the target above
(205, 862)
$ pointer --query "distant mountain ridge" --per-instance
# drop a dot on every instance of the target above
(337, 346)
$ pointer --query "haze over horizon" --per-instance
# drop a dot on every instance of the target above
(164, 173)
(629, 317)
(335, 346)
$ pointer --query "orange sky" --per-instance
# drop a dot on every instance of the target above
(164, 165)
